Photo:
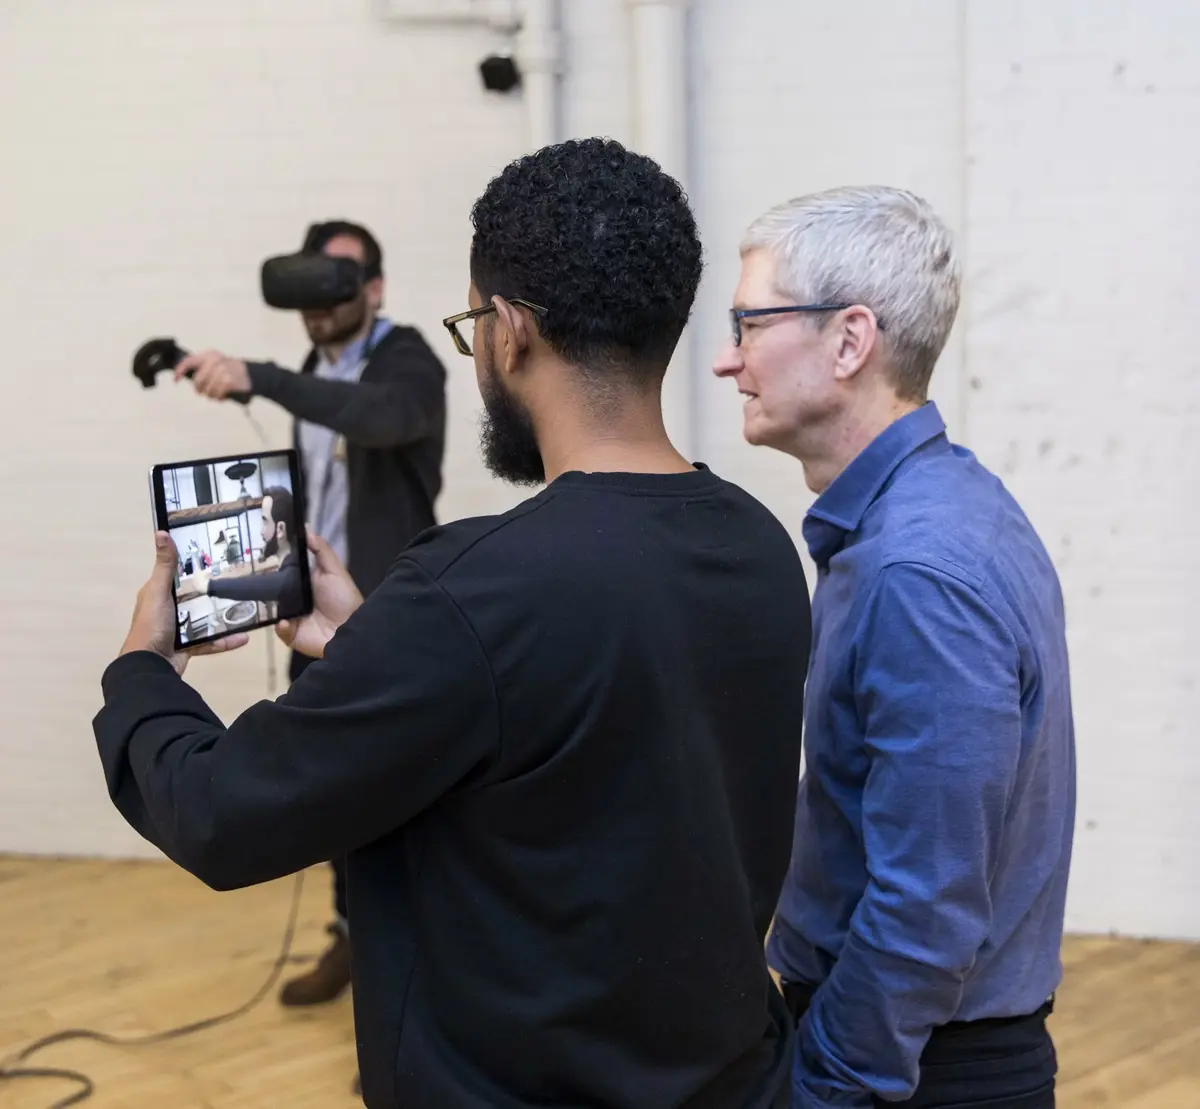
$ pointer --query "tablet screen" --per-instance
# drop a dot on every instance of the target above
(238, 526)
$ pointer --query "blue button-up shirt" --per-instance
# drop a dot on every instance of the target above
(935, 816)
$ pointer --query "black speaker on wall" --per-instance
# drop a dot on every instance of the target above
(203, 482)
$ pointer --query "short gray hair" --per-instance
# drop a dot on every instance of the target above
(881, 247)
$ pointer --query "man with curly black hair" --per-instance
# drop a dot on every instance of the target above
(609, 279)
(558, 746)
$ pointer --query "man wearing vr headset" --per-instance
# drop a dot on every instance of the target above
(370, 408)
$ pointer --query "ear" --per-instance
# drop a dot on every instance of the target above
(855, 336)
(513, 333)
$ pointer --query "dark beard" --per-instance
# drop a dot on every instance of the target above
(345, 321)
(510, 447)
(271, 547)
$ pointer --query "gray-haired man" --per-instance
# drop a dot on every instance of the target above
(918, 934)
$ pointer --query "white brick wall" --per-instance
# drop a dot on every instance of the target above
(155, 153)
(1085, 396)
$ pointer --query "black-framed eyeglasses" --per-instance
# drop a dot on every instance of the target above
(736, 315)
(462, 342)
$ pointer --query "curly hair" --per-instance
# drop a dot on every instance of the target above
(601, 238)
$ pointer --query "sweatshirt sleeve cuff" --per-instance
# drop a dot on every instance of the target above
(136, 664)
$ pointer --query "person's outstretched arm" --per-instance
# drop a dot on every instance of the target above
(407, 403)
(256, 587)
(381, 728)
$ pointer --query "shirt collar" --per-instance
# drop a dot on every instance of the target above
(840, 509)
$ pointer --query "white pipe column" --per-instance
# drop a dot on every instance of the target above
(539, 55)
(661, 124)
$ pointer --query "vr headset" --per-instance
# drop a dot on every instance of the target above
(299, 282)
(310, 280)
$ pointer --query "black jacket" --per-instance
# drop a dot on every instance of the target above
(285, 585)
(394, 422)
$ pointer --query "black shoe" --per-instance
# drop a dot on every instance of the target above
(326, 980)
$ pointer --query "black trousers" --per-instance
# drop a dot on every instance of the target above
(297, 664)
(1006, 1063)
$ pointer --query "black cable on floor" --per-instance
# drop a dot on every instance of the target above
(11, 1068)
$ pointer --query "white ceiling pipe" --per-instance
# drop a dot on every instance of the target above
(540, 58)
(501, 15)
(661, 130)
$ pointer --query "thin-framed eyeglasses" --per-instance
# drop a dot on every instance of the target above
(736, 315)
(462, 338)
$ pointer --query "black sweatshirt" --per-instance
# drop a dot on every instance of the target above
(394, 422)
(560, 748)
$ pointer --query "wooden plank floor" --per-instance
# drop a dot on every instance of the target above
(132, 948)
